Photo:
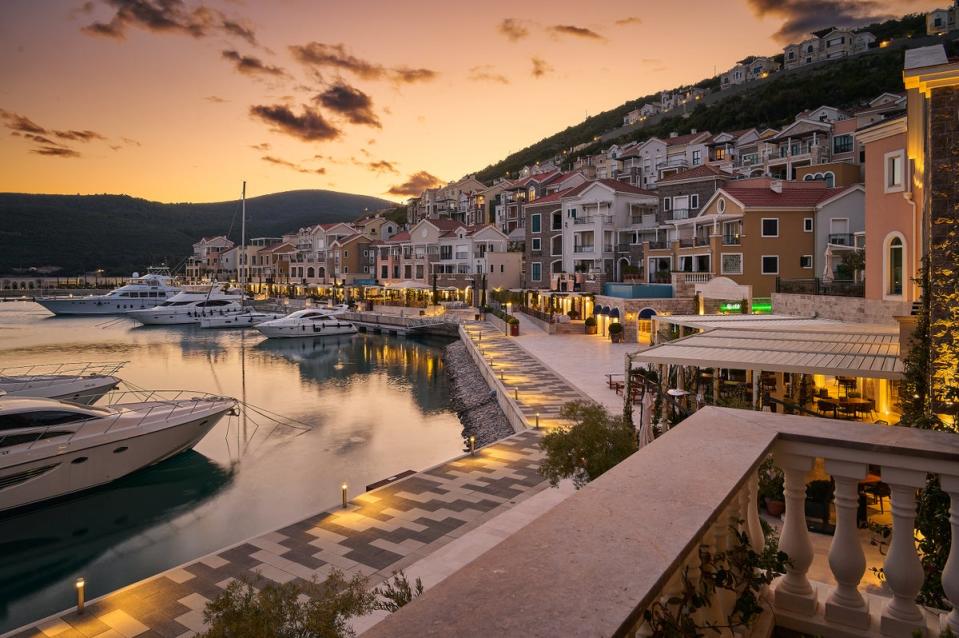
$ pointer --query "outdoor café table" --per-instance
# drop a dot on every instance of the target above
(855, 403)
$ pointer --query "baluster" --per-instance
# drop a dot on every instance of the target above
(793, 592)
(903, 569)
(950, 573)
(754, 528)
(847, 561)
(694, 574)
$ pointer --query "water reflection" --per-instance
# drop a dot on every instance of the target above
(373, 406)
(56, 539)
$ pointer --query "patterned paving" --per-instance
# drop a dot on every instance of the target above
(539, 389)
(381, 531)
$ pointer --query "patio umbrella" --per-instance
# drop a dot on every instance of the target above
(827, 268)
(646, 433)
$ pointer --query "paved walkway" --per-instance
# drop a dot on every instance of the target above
(382, 531)
(582, 360)
(537, 388)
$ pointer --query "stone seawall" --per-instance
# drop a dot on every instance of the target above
(472, 399)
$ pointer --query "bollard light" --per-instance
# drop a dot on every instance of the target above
(81, 587)
(516, 394)
(501, 378)
(343, 494)
(472, 445)
(537, 420)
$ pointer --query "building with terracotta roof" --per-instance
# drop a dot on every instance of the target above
(826, 45)
(752, 231)
(207, 260)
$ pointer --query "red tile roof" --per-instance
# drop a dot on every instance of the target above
(699, 172)
(622, 187)
(793, 195)
(404, 236)
(684, 139)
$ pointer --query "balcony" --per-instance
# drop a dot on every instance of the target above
(660, 244)
(592, 219)
(817, 286)
(595, 562)
(623, 248)
(679, 213)
(687, 243)
(732, 240)
(842, 239)
(701, 241)
(583, 249)
(647, 220)
(608, 248)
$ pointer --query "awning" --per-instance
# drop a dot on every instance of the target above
(844, 351)
(614, 313)
(772, 322)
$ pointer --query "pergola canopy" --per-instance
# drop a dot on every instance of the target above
(844, 350)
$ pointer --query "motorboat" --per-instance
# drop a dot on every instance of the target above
(137, 293)
(246, 319)
(338, 309)
(311, 322)
(50, 448)
(191, 305)
(84, 382)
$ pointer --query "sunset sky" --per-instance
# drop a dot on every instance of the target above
(179, 100)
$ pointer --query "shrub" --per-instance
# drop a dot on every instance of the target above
(590, 322)
(615, 328)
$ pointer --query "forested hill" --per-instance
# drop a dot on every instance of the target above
(121, 234)
(772, 102)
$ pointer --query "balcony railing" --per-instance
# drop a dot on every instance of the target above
(701, 241)
(608, 248)
(647, 220)
(623, 248)
(687, 243)
(659, 244)
(679, 213)
(731, 240)
(592, 219)
(817, 286)
(842, 239)
(583, 249)
(636, 560)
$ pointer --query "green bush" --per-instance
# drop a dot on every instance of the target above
(590, 322)
(615, 328)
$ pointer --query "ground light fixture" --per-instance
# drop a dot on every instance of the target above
(343, 488)
(472, 445)
(81, 589)
(537, 420)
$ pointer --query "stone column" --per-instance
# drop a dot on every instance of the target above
(901, 616)
(846, 605)
(794, 593)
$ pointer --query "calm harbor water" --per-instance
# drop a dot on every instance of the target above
(375, 406)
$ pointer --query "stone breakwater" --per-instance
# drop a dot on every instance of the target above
(472, 398)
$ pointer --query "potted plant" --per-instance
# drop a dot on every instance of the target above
(590, 324)
(771, 487)
(513, 325)
(616, 332)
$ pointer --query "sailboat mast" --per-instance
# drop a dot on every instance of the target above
(243, 238)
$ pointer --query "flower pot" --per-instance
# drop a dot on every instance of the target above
(514, 329)
(616, 337)
(775, 508)
(590, 330)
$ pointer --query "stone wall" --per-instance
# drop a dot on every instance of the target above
(851, 309)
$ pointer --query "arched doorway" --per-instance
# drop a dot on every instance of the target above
(644, 328)
(621, 267)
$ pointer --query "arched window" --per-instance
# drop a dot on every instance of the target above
(894, 261)
(830, 178)
(310, 273)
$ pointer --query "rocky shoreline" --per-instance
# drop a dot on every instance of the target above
(472, 399)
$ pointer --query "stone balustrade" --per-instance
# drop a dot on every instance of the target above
(593, 564)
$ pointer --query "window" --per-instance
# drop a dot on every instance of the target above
(770, 226)
(385, 272)
(894, 260)
(805, 261)
(842, 144)
(807, 224)
(694, 201)
(697, 158)
(770, 264)
(557, 221)
(721, 205)
(535, 223)
(732, 264)
(667, 203)
(536, 271)
(536, 244)
(895, 180)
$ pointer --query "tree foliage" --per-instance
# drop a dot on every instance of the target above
(397, 592)
(595, 442)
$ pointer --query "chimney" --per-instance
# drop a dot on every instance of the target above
(776, 185)
(674, 134)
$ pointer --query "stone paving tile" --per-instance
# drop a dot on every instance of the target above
(379, 533)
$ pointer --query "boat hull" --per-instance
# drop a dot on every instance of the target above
(81, 468)
(326, 329)
(86, 390)
(154, 317)
(93, 305)
(237, 321)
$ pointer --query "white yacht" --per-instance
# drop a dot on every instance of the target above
(192, 304)
(246, 319)
(50, 448)
(84, 382)
(138, 292)
(311, 322)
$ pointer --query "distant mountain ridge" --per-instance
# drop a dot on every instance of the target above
(120, 234)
